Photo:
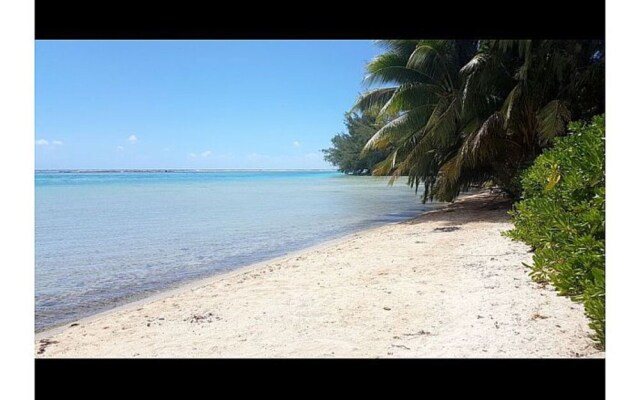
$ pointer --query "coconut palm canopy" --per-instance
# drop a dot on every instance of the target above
(453, 113)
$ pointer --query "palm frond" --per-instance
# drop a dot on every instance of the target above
(483, 144)
(410, 96)
(391, 68)
(401, 47)
(509, 103)
(428, 59)
(476, 63)
(384, 167)
(375, 98)
(443, 121)
(408, 122)
(552, 120)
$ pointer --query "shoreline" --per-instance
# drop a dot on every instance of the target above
(378, 292)
(197, 282)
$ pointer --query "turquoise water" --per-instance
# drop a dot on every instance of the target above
(103, 239)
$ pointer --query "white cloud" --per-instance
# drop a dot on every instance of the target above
(204, 154)
(45, 142)
(132, 139)
(120, 148)
(296, 143)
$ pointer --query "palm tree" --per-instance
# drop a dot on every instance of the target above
(459, 113)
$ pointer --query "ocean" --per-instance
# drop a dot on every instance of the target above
(105, 238)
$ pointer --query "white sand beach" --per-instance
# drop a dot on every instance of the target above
(446, 284)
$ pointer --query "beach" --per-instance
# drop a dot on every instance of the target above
(444, 284)
(105, 239)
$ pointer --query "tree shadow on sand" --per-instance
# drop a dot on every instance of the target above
(480, 207)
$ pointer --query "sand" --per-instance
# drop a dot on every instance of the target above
(445, 284)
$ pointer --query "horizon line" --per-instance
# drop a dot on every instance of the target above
(178, 169)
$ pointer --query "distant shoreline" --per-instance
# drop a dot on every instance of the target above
(170, 170)
(445, 284)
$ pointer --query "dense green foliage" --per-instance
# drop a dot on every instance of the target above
(455, 113)
(346, 151)
(562, 217)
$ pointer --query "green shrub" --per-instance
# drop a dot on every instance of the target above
(562, 216)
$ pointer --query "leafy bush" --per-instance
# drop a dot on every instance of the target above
(562, 216)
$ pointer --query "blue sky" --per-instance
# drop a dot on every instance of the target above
(193, 104)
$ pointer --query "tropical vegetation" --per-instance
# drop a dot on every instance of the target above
(346, 151)
(451, 114)
(562, 216)
(455, 113)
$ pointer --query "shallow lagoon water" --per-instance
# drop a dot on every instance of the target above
(103, 239)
